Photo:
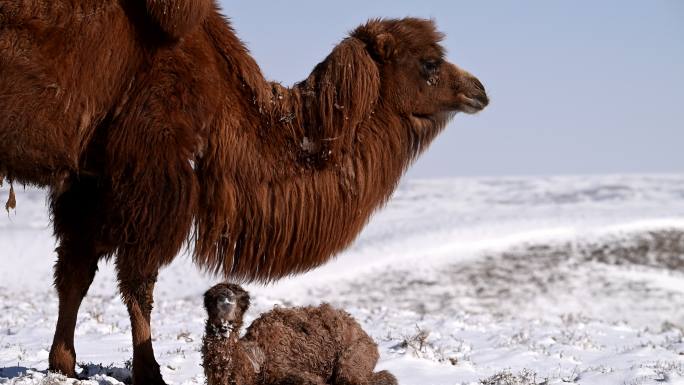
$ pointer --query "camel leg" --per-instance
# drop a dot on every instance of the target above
(152, 200)
(355, 365)
(137, 292)
(74, 272)
(293, 377)
(383, 377)
(77, 257)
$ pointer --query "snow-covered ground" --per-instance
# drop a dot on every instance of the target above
(572, 280)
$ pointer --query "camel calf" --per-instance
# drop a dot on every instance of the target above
(303, 346)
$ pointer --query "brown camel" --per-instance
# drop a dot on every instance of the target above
(303, 346)
(151, 125)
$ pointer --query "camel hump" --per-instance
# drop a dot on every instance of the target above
(178, 17)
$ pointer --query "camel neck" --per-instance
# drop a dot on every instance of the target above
(222, 330)
(295, 178)
(224, 359)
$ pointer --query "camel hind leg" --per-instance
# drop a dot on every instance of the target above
(75, 225)
(383, 377)
(293, 376)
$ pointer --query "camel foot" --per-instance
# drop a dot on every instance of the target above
(62, 360)
(148, 376)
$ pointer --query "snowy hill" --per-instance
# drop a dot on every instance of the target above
(573, 280)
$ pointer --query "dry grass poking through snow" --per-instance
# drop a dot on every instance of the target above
(526, 377)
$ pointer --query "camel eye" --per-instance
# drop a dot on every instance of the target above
(431, 66)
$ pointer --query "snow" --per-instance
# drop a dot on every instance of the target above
(572, 280)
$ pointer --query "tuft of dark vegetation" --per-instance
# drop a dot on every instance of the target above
(525, 377)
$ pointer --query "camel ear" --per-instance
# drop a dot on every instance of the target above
(244, 301)
(344, 89)
(178, 17)
(384, 47)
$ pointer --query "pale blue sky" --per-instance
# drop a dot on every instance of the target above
(577, 87)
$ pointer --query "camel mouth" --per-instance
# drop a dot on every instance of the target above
(472, 105)
(226, 302)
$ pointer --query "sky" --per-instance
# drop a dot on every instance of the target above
(576, 87)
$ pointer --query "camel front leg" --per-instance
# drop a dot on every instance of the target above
(137, 293)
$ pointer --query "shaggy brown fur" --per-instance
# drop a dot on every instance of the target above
(145, 139)
(302, 346)
(178, 17)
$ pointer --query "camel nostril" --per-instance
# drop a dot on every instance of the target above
(479, 92)
(478, 84)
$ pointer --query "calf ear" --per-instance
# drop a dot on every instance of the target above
(243, 301)
(178, 17)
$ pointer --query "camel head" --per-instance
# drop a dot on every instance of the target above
(226, 303)
(416, 81)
